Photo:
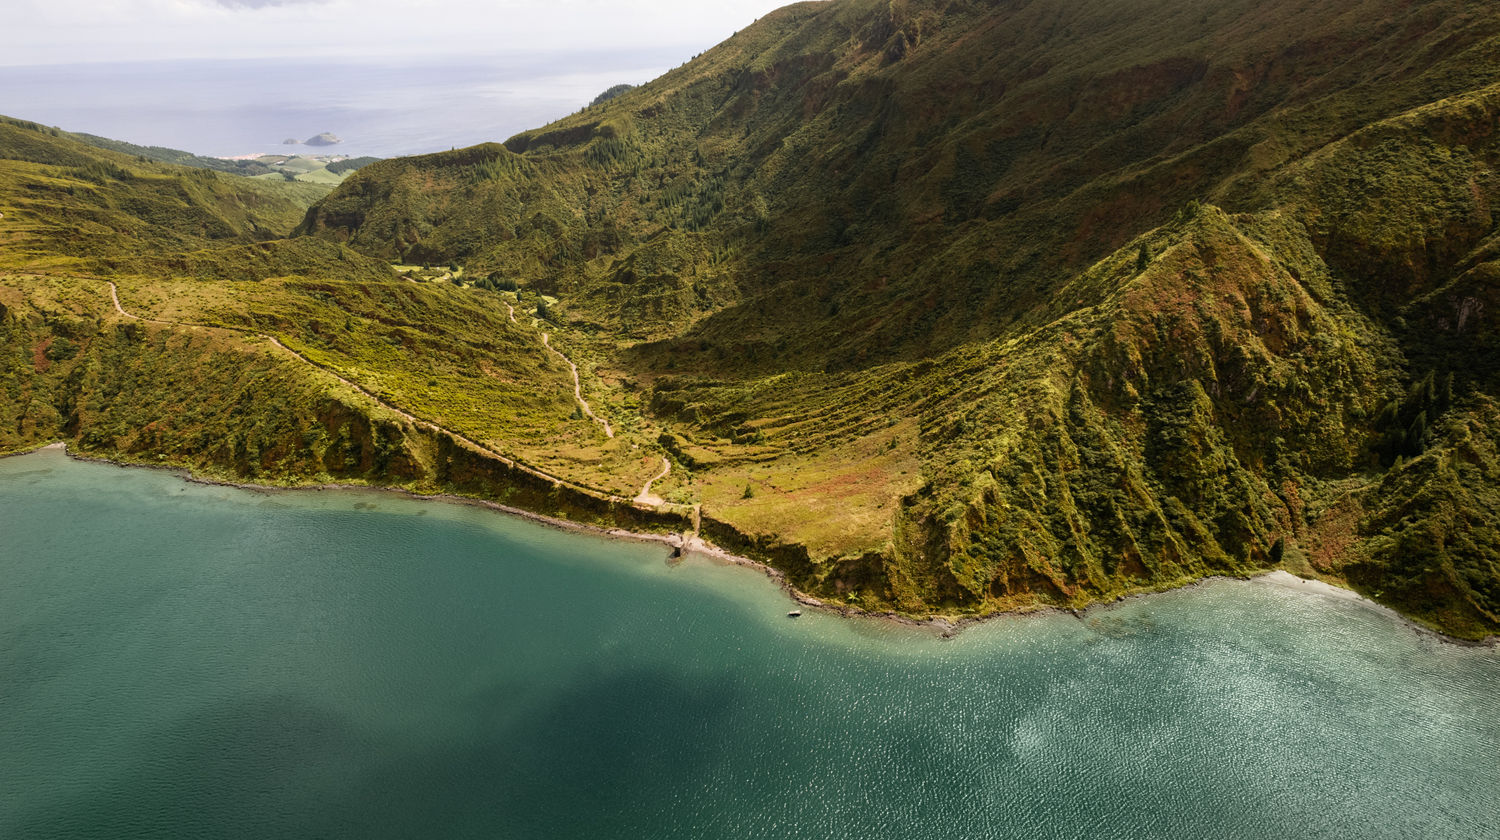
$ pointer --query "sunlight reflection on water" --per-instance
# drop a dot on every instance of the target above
(178, 659)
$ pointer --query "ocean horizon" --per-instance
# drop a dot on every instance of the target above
(381, 107)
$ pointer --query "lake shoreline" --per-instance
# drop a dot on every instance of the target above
(683, 543)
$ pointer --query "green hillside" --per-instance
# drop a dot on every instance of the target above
(959, 307)
(938, 307)
(162, 154)
(66, 201)
(313, 169)
(245, 355)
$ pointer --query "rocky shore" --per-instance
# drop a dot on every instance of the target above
(685, 544)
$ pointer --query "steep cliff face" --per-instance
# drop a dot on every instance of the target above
(1049, 301)
(863, 181)
(1212, 409)
(229, 406)
(936, 306)
(147, 393)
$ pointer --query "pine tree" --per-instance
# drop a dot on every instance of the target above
(1387, 416)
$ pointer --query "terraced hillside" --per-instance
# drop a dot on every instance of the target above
(961, 306)
(149, 313)
(939, 307)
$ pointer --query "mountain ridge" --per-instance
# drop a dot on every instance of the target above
(864, 192)
(951, 307)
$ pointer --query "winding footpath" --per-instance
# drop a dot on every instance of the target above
(578, 389)
(646, 497)
(485, 451)
(114, 295)
(577, 386)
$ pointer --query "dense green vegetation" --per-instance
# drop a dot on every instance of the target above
(197, 254)
(962, 307)
(610, 93)
(66, 202)
(339, 167)
(162, 154)
(936, 306)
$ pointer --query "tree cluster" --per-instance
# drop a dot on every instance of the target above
(1405, 426)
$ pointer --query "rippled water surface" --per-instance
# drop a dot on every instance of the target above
(179, 660)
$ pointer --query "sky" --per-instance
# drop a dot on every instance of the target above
(72, 31)
(390, 77)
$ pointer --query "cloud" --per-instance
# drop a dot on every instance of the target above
(239, 5)
(69, 31)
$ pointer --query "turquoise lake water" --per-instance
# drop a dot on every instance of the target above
(178, 660)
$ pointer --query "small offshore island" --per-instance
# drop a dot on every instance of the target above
(926, 308)
(1113, 384)
(192, 659)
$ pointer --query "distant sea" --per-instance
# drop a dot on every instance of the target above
(377, 107)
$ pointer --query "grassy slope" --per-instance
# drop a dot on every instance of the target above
(228, 405)
(303, 168)
(65, 202)
(798, 166)
(878, 269)
(176, 157)
(196, 247)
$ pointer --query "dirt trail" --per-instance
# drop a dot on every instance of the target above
(646, 497)
(114, 295)
(477, 448)
(609, 432)
(578, 388)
